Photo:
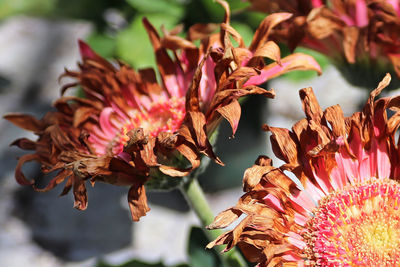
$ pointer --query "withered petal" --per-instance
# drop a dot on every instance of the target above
(350, 40)
(269, 50)
(311, 107)
(225, 218)
(25, 121)
(24, 143)
(137, 200)
(231, 112)
(60, 177)
(19, 175)
(198, 122)
(263, 31)
(80, 194)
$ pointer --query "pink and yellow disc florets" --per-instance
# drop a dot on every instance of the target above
(165, 115)
(356, 226)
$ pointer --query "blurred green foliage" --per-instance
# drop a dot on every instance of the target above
(198, 255)
(30, 7)
(129, 41)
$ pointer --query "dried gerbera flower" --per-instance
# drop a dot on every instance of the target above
(130, 130)
(342, 206)
(226, 73)
(361, 37)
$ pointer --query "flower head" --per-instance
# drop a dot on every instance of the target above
(216, 74)
(340, 208)
(131, 130)
(361, 37)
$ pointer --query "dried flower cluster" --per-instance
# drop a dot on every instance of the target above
(362, 37)
(340, 208)
(128, 129)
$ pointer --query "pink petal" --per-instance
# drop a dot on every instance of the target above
(273, 202)
(383, 161)
(296, 61)
(296, 240)
(347, 166)
(105, 124)
(85, 50)
(361, 13)
(316, 3)
(207, 83)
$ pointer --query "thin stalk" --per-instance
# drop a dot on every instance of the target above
(194, 195)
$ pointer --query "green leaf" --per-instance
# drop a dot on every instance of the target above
(32, 7)
(238, 5)
(244, 30)
(198, 255)
(133, 44)
(103, 44)
(214, 9)
(170, 7)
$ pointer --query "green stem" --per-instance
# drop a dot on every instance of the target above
(194, 195)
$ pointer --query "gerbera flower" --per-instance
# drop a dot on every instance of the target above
(341, 205)
(361, 37)
(226, 74)
(129, 128)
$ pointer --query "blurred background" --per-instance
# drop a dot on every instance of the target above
(38, 38)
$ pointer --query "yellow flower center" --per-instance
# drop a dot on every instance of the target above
(358, 226)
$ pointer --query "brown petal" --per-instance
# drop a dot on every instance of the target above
(311, 107)
(231, 113)
(395, 59)
(68, 186)
(25, 121)
(201, 31)
(350, 42)
(192, 95)
(334, 115)
(137, 200)
(234, 34)
(174, 171)
(262, 32)
(165, 64)
(240, 74)
(80, 195)
(82, 114)
(19, 175)
(369, 106)
(24, 143)
(197, 122)
(61, 176)
(269, 50)
(225, 5)
(224, 219)
(323, 23)
(253, 175)
(189, 153)
(175, 42)
(283, 144)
